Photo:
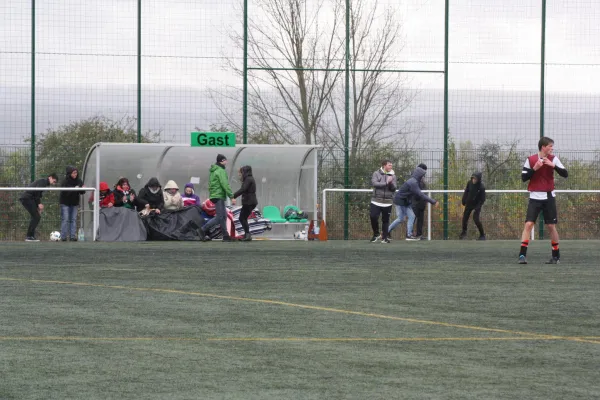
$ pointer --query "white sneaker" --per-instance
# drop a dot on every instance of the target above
(411, 237)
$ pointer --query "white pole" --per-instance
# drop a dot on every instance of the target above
(324, 205)
(96, 224)
(429, 217)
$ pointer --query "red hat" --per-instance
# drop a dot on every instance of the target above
(104, 186)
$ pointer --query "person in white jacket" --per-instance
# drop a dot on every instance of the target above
(173, 200)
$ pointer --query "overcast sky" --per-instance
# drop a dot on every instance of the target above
(90, 45)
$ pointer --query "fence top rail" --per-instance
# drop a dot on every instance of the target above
(462, 190)
(47, 189)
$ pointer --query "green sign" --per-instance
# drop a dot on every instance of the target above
(213, 139)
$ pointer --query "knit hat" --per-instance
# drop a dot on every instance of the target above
(221, 158)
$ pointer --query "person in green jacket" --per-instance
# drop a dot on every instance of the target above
(219, 190)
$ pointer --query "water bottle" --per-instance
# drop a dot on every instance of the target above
(81, 236)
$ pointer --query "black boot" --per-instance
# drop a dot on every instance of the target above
(463, 235)
(247, 238)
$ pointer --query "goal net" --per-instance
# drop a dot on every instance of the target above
(503, 215)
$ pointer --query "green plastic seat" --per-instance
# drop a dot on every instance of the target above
(272, 214)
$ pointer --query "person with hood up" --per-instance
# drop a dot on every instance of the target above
(418, 207)
(69, 204)
(152, 195)
(173, 200)
(249, 200)
(408, 192)
(32, 201)
(473, 199)
(384, 185)
(189, 196)
(219, 190)
(107, 198)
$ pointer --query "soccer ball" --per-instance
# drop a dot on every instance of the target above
(55, 236)
(299, 235)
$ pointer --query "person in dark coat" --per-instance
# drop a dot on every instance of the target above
(125, 196)
(473, 199)
(152, 195)
(32, 201)
(409, 191)
(249, 200)
(69, 204)
(418, 205)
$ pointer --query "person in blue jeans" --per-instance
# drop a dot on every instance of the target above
(69, 205)
(403, 198)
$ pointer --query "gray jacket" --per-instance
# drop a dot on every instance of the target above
(410, 190)
(382, 191)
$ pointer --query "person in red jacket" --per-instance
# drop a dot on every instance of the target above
(539, 171)
(107, 198)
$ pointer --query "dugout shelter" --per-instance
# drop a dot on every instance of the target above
(285, 174)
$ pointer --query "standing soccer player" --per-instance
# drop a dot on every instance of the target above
(539, 171)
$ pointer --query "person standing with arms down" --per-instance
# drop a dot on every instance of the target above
(69, 205)
(539, 171)
(32, 201)
(219, 190)
(473, 199)
(384, 185)
(249, 200)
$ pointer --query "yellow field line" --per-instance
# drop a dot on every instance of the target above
(301, 306)
(251, 339)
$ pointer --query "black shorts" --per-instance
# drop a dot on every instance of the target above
(548, 207)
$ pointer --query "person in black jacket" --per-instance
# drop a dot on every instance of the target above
(69, 204)
(152, 195)
(32, 201)
(473, 199)
(249, 200)
(125, 196)
(418, 205)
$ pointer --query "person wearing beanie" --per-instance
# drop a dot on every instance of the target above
(419, 205)
(409, 191)
(219, 190)
(473, 199)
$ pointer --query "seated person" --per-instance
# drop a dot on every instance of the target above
(125, 196)
(172, 197)
(107, 199)
(152, 195)
(190, 198)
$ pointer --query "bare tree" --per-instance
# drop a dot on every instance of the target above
(298, 95)
(299, 57)
(377, 97)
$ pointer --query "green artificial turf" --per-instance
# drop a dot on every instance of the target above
(298, 320)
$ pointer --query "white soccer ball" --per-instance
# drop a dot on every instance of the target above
(299, 235)
(55, 236)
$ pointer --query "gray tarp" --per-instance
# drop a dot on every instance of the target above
(119, 224)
